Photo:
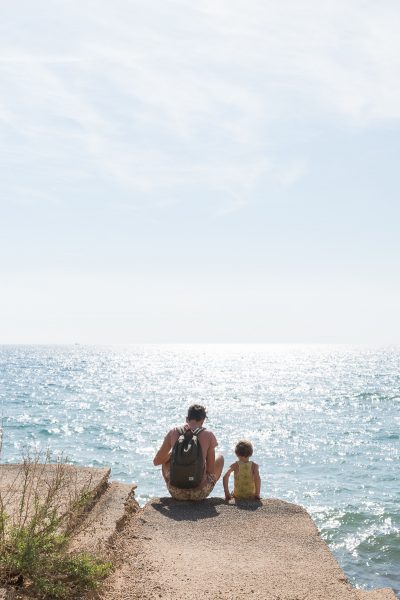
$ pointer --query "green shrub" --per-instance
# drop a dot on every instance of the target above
(34, 539)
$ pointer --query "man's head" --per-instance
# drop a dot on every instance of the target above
(244, 449)
(196, 412)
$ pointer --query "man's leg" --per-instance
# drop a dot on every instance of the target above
(198, 493)
(205, 490)
(165, 471)
(176, 493)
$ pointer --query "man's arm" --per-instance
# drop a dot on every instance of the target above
(210, 461)
(163, 453)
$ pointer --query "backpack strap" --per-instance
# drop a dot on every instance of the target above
(185, 430)
(197, 431)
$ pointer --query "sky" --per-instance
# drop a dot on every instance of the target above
(197, 171)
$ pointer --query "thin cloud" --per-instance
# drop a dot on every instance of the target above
(177, 95)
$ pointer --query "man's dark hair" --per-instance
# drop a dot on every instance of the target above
(244, 448)
(196, 412)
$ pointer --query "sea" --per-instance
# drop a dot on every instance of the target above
(324, 421)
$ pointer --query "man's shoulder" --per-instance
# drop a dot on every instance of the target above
(171, 433)
(175, 431)
(177, 428)
(210, 436)
(207, 432)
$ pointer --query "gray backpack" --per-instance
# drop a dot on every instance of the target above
(187, 463)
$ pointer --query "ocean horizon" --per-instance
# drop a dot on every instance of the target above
(323, 419)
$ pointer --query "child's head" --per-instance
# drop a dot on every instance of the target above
(244, 449)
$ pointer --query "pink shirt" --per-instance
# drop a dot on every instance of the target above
(206, 438)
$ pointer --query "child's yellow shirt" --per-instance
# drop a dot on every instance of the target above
(245, 486)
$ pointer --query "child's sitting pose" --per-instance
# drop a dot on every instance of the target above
(246, 475)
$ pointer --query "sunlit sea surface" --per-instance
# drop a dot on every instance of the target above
(324, 421)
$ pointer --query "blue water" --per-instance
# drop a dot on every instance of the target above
(324, 421)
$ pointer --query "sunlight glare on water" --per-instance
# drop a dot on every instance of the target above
(324, 422)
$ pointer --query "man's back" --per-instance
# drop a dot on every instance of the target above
(212, 465)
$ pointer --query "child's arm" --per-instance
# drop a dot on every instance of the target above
(257, 480)
(225, 480)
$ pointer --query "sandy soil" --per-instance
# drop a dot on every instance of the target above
(213, 550)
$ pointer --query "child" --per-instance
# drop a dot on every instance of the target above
(246, 475)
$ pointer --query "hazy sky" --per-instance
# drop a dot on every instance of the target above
(199, 171)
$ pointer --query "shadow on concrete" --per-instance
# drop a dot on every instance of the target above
(248, 504)
(187, 510)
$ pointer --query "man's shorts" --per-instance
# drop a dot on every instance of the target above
(199, 493)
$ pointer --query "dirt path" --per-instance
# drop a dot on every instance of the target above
(211, 550)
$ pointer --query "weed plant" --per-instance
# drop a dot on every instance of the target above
(39, 512)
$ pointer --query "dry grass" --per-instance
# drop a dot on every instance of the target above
(39, 512)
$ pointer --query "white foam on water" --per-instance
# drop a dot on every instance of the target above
(323, 420)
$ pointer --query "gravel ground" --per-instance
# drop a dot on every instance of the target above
(180, 550)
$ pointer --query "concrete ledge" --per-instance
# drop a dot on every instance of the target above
(268, 550)
(265, 550)
(75, 479)
(107, 518)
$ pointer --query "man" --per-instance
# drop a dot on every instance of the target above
(213, 464)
